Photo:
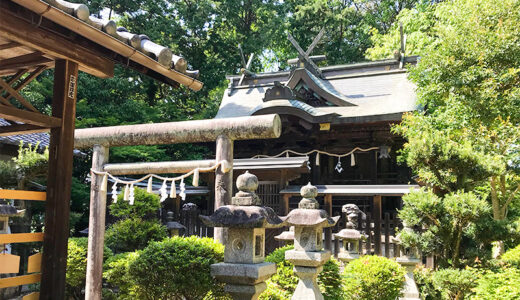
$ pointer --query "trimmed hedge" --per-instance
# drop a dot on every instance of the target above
(134, 234)
(373, 277)
(512, 256)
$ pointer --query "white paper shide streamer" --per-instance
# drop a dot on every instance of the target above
(131, 196)
(164, 193)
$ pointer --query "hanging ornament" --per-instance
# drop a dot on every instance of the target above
(114, 192)
(103, 187)
(338, 168)
(183, 190)
(164, 193)
(317, 158)
(196, 177)
(309, 166)
(149, 188)
(352, 160)
(131, 197)
(127, 193)
(173, 190)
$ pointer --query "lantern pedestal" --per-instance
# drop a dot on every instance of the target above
(243, 281)
(410, 290)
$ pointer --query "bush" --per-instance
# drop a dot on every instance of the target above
(133, 234)
(77, 265)
(373, 277)
(145, 205)
(177, 268)
(454, 283)
(424, 280)
(512, 256)
(118, 278)
(282, 284)
(503, 285)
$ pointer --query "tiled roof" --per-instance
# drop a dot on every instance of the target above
(377, 91)
(140, 42)
(31, 138)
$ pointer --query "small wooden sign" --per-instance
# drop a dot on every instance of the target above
(9, 263)
(32, 296)
(324, 126)
(35, 263)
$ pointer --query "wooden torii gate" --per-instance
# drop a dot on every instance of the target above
(223, 131)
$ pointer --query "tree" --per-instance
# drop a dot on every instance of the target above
(468, 134)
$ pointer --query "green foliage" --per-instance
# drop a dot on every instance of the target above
(443, 226)
(373, 277)
(512, 256)
(116, 274)
(145, 205)
(504, 284)
(133, 234)
(282, 284)
(177, 268)
(77, 265)
(454, 283)
(424, 280)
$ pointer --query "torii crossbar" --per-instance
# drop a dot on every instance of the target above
(223, 131)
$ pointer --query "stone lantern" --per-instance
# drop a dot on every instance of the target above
(174, 228)
(7, 211)
(308, 255)
(409, 260)
(287, 237)
(244, 270)
(350, 236)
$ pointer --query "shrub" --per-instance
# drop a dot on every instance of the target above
(424, 280)
(133, 234)
(512, 256)
(118, 278)
(503, 285)
(145, 205)
(77, 265)
(373, 277)
(454, 283)
(177, 268)
(282, 284)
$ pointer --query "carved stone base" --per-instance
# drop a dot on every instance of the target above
(243, 281)
(307, 288)
(410, 290)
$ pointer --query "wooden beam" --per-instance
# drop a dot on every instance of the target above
(22, 195)
(24, 61)
(23, 32)
(328, 230)
(30, 77)
(11, 80)
(377, 214)
(17, 96)
(29, 117)
(19, 280)
(59, 180)
(21, 129)
(9, 45)
(21, 237)
(96, 226)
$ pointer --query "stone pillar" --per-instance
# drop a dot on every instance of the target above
(308, 255)
(244, 270)
(408, 259)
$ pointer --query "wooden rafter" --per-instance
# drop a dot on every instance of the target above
(14, 93)
(9, 45)
(21, 129)
(29, 117)
(24, 61)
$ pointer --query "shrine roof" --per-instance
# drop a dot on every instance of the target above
(355, 93)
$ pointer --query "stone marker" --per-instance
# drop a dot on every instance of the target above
(308, 255)
(244, 270)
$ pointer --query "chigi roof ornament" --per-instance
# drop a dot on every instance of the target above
(303, 56)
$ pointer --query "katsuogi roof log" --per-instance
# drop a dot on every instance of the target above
(243, 128)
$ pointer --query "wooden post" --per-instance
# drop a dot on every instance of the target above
(387, 235)
(223, 181)
(328, 230)
(284, 208)
(96, 226)
(377, 224)
(59, 180)
(369, 233)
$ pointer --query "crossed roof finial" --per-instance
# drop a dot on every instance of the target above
(304, 56)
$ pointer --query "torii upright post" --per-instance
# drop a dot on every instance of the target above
(223, 131)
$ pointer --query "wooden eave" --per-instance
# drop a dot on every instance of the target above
(46, 19)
